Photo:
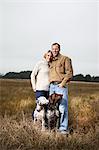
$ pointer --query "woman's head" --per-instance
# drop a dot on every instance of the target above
(48, 56)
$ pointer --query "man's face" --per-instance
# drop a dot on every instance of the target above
(55, 50)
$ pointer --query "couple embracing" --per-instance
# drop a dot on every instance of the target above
(51, 75)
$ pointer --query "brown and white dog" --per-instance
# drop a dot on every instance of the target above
(53, 114)
(47, 112)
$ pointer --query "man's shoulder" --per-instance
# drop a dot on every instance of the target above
(65, 57)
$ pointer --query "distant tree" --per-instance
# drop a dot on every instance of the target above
(1, 75)
(92, 79)
(88, 78)
(26, 75)
(78, 77)
(20, 75)
(11, 75)
(96, 79)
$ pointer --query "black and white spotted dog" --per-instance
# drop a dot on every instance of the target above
(47, 112)
(40, 112)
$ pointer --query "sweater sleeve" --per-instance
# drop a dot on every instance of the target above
(69, 71)
(33, 76)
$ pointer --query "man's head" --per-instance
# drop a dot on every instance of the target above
(55, 49)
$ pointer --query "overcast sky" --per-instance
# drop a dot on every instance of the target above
(29, 27)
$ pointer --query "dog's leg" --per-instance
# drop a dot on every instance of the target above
(49, 121)
(57, 120)
(43, 121)
(35, 122)
(49, 124)
(43, 124)
(57, 123)
(35, 118)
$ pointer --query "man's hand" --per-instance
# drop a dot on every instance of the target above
(60, 85)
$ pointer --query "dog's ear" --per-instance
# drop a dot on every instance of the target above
(58, 95)
(53, 96)
(50, 99)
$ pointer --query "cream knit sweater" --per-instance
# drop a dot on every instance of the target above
(40, 76)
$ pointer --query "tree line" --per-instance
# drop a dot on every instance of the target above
(26, 75)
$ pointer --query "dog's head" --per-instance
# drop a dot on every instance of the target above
(41, 103)
(42, 100)
(55, 98)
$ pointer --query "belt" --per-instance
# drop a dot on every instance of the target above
(55, 82)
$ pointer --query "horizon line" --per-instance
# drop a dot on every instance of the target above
(31, 70)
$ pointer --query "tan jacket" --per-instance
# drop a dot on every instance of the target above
(61, 70)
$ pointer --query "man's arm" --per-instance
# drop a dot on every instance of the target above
(69, 72)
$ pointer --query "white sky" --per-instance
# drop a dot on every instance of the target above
(29, 27)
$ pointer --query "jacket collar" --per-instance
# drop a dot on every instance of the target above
(57, 57)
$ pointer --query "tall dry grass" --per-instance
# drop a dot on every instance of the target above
(17, 131)
(22, 135)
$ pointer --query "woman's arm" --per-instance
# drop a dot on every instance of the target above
(34, 75)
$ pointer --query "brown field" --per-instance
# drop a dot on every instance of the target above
(17, 132)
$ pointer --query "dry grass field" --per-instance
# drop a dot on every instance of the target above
(17, 132)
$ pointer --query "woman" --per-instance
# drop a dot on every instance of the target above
(40, 76)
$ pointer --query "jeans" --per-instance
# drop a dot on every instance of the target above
(41, 93)
(63, 105)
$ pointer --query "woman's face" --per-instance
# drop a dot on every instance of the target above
(48, 56)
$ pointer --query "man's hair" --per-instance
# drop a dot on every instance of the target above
(57, 45)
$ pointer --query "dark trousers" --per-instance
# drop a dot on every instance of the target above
(41, 93)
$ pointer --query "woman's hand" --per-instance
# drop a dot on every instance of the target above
(34, 90)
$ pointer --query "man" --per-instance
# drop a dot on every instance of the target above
(60, 74)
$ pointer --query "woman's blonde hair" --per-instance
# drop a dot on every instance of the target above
(49, 51)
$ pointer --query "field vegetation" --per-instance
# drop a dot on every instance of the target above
(17, 131)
